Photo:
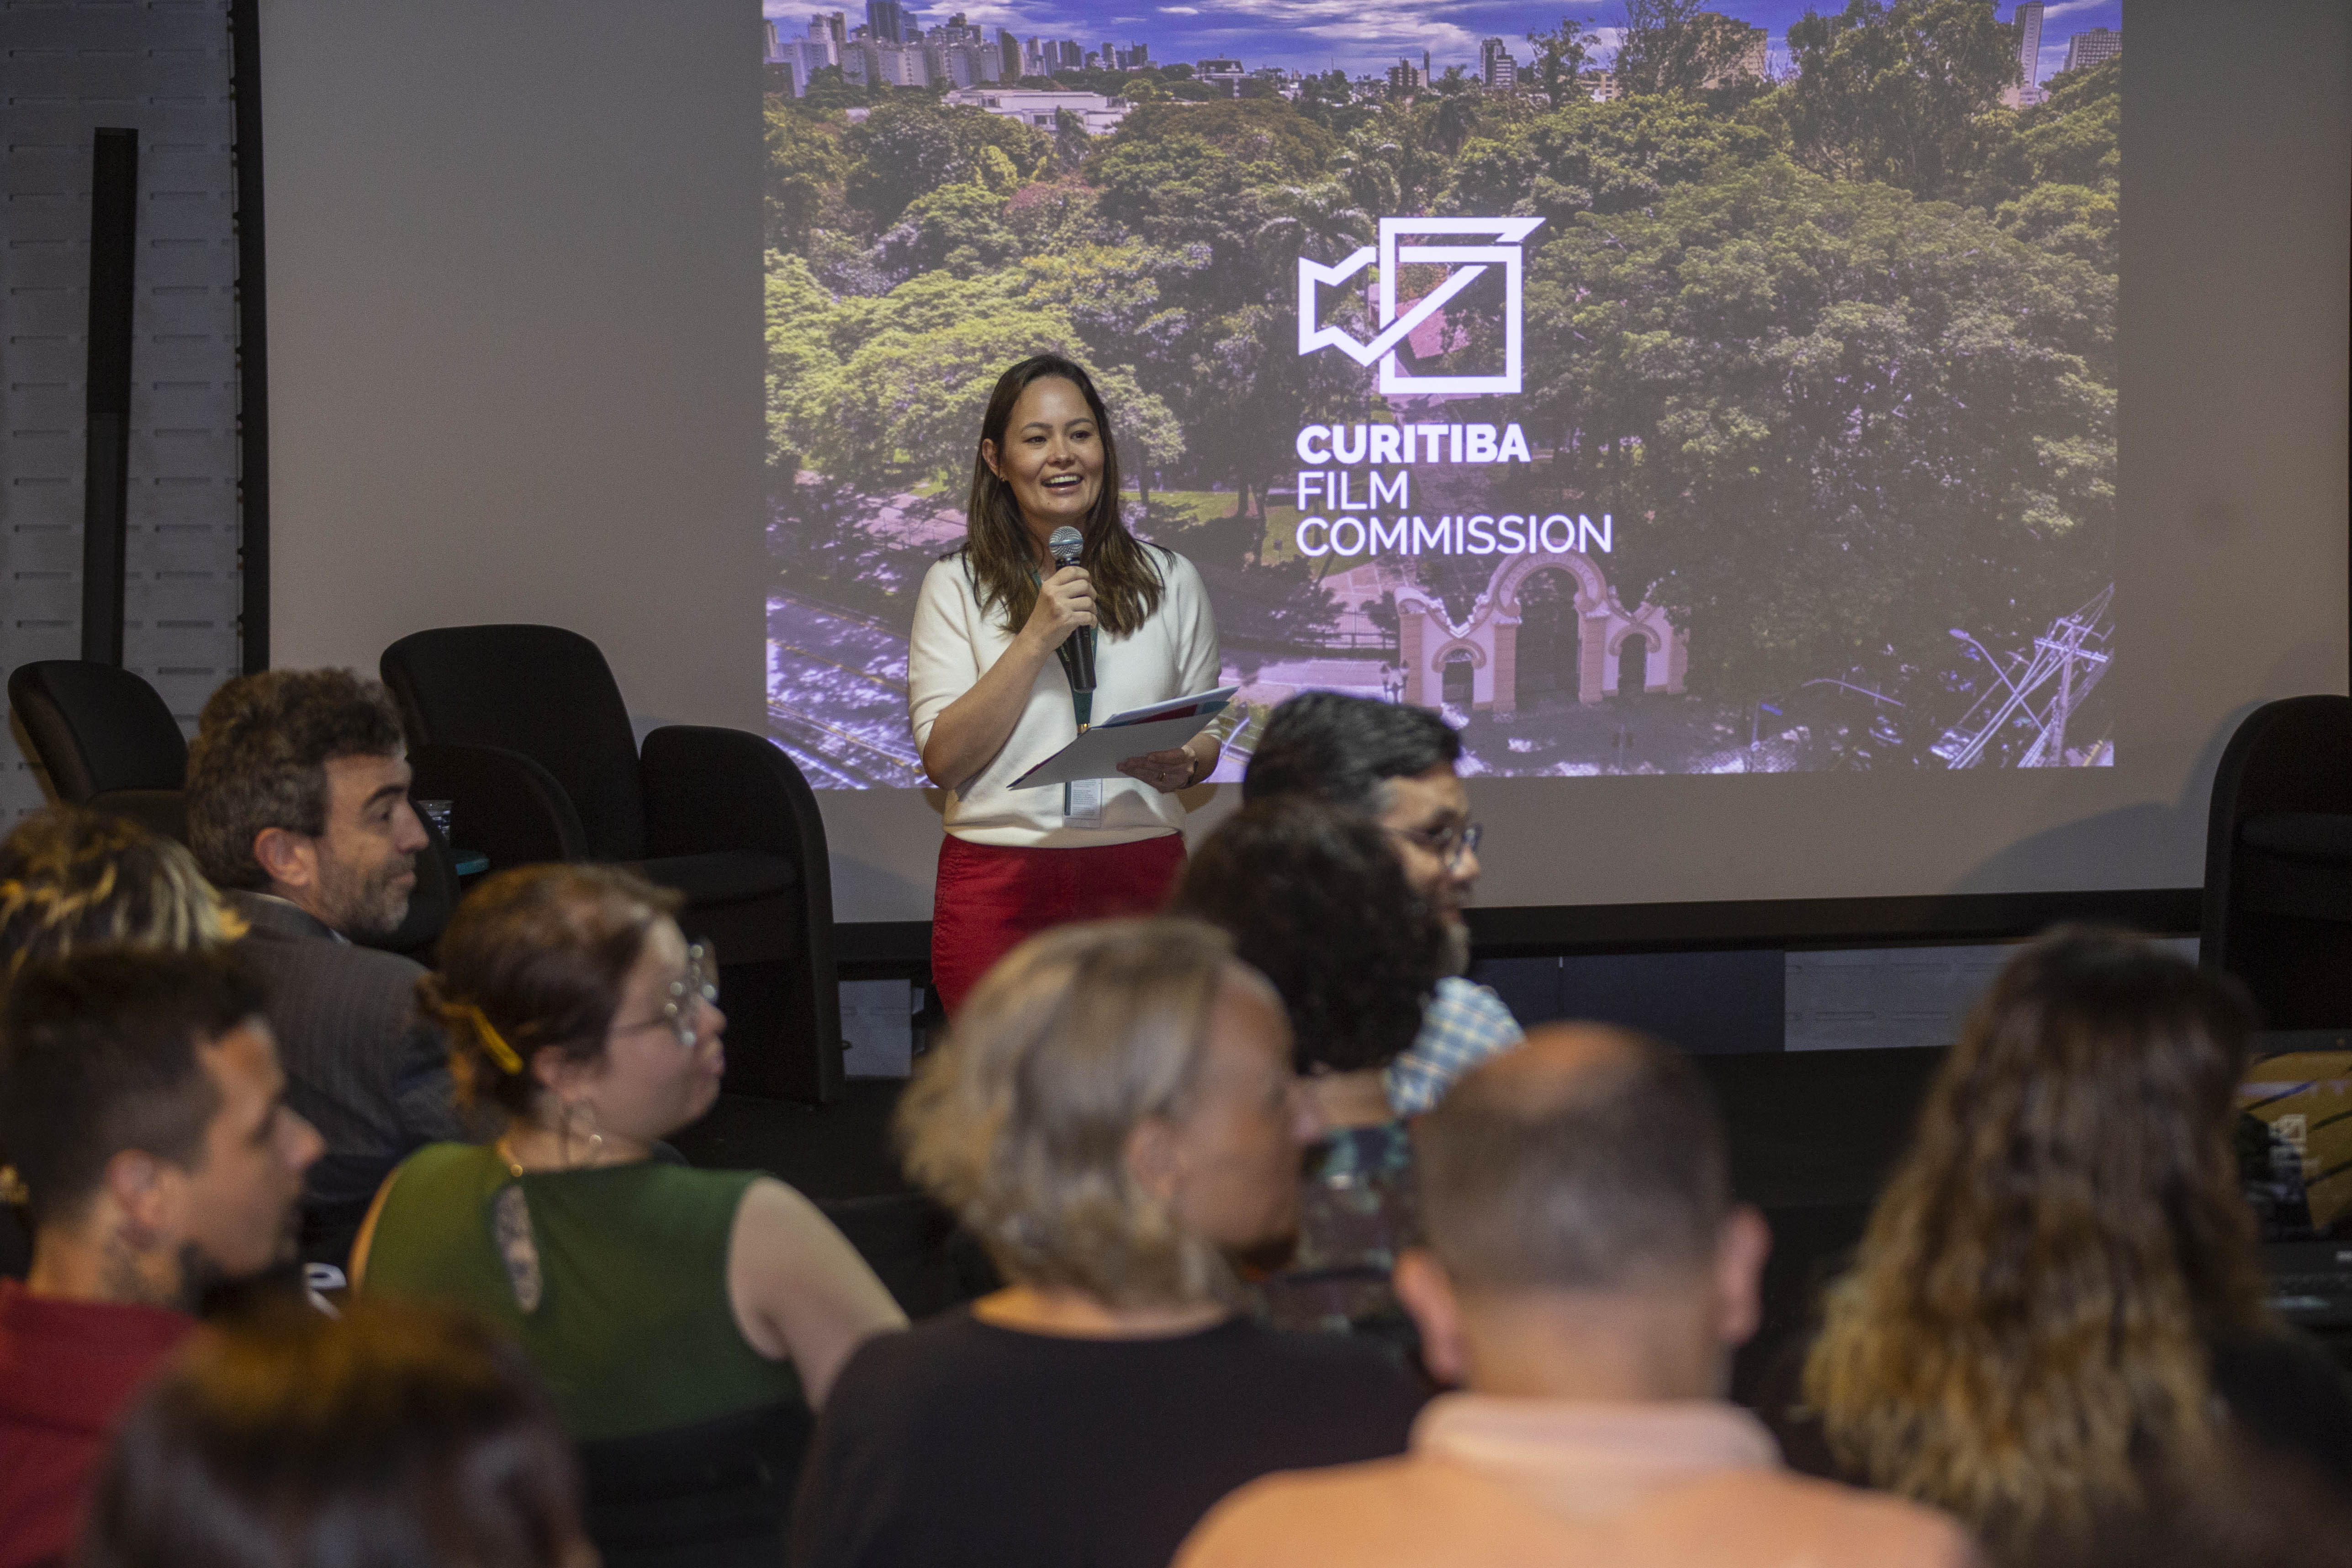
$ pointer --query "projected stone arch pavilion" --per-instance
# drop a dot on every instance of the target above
(1428, 640)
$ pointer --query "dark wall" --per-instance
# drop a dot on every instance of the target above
(1706, 1003)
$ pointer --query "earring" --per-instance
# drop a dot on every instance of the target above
(579, 1109)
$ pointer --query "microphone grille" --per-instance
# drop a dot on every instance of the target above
(1064, 544)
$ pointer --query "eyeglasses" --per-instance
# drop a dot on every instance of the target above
(700, 982)
(1448, 845)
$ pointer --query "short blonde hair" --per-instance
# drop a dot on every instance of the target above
(72, 879)
(1020, 1123)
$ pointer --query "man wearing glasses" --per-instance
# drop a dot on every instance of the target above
(1395, 764)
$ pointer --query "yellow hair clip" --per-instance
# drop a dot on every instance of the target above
(492, 1040)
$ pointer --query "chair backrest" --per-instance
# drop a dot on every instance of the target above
(715, 1495)
(540, 690)
(2293, 755)
(97, 727)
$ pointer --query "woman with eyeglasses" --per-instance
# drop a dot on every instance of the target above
(671, 1310)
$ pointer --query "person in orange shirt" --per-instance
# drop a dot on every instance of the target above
(1586, 1279)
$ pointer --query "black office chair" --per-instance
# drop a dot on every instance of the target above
(108, 742)
(523, 728)
(715, 1495)
(2278, 861)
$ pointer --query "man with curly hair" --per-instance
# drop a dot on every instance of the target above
(298, 807)
(1396, 765)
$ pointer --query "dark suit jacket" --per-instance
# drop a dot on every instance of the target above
(363, 1064)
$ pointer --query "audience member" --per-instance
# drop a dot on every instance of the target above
(2243, 1510)
(142, 1107)
(1114, 1110)
(1586, 1280)
(71, 878)
(654, 1297)
(385, 1439)
(1315, 900)
(1394, 764)
(2061, 1279)
(298, 804)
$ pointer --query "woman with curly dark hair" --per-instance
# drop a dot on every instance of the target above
(2056, 1319)
(1317, 901)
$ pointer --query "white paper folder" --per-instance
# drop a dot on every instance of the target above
(1097, 753)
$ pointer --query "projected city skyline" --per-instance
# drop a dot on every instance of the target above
(1645, 407)
(1305, 36)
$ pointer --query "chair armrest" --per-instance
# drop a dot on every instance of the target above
(505, 805)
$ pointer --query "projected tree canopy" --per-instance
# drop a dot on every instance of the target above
(1805, 385)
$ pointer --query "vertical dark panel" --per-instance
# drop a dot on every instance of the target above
(252, 338)
(106, 478)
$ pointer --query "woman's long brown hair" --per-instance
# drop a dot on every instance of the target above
(2023, 1341)
(1126, 580)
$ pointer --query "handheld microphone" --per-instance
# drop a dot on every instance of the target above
(1078, 650)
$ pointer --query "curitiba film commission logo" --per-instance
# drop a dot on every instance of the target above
(1469, 262)
(1341, 465)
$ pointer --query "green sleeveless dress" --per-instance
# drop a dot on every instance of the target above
(632, 1327)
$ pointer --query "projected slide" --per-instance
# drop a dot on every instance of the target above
(1714, 391)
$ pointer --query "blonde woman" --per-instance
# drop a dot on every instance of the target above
(2057, 1313)
(1114, 1112)
(71, 878)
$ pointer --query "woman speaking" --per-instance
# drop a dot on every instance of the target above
(988, 697)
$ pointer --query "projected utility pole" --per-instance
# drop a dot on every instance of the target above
(2071, 654)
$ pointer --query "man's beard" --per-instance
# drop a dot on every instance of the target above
(1458, 947)
(376, 906)
(194, 1274)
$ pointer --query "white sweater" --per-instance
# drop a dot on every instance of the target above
(1173, 655)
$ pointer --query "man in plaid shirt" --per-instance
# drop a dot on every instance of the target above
(1395, 764)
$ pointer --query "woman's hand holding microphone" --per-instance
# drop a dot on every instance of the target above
(1066, 601)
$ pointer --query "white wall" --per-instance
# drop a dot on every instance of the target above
(514, 286)
(515, 356)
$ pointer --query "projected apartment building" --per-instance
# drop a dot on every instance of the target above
(2084, 50)
(2028, 23)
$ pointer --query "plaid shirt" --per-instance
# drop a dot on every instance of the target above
(1463, 1026)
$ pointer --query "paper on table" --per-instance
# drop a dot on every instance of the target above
(1097, 753)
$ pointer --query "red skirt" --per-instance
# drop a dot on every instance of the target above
(992, 898)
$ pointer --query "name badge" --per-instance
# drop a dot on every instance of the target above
(1082, 803)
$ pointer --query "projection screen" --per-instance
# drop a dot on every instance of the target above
(1791, 493)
